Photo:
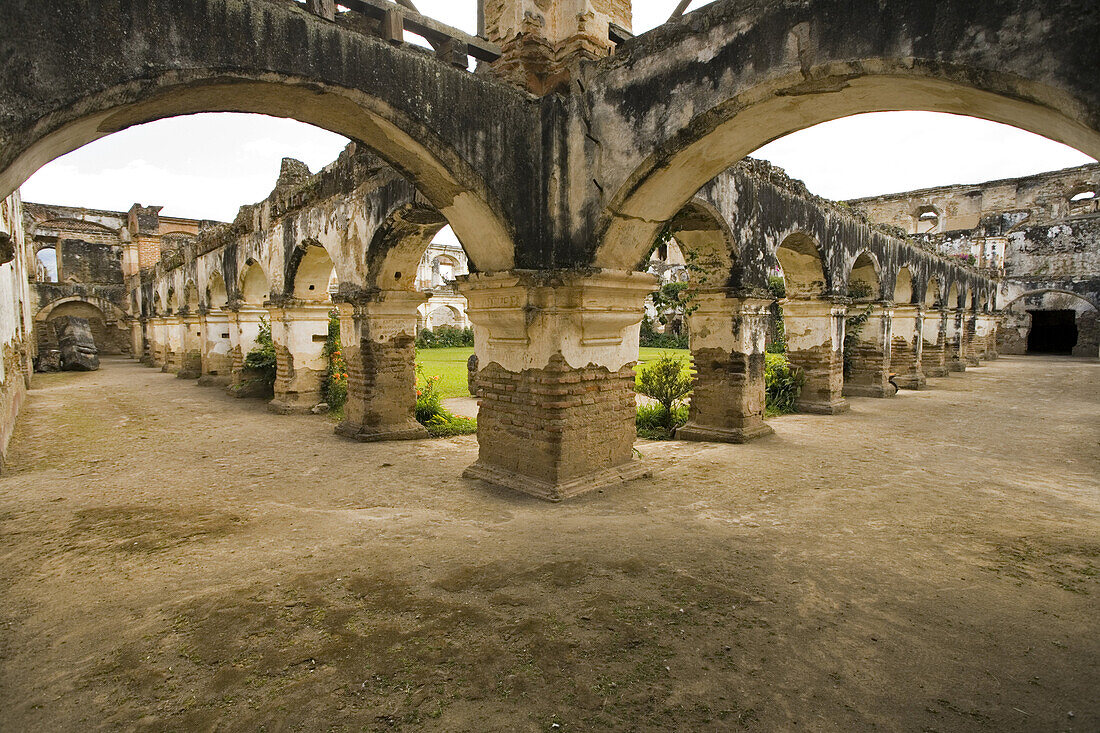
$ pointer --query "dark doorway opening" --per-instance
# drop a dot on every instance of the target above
(1052, 332)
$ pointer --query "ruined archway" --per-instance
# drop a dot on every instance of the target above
(864, 280)
(1050, 321)
(674, 123)
(107, 321)
(105, 77)
(800, 260)
(903, 287)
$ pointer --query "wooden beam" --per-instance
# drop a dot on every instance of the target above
(430, 28)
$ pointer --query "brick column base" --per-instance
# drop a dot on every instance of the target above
(555, 354)
(378, 340)
(727, 347)
(299, 330)
(869, 371)
(907, 348)
(815, 344)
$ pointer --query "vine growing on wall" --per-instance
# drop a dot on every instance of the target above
(334, 387)
(853, 327)
(261, 362)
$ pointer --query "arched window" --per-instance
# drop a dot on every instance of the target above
(46, 270)
(928, 219)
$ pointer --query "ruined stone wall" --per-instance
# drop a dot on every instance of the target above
(1040, 234)
(16, 324)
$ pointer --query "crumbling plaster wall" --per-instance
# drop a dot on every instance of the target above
(16, 320)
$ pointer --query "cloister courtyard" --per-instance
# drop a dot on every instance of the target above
(175, 559)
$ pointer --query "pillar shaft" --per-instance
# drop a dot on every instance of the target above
(956, 342)
(815, 344)
(727, 347)
(174, 332)
(244, 328)
(555, 354)
(869, 359)
(934, 344)
(217, 364)
(378, 343)
(907, 346)
(191, 358)
(970, 338)
(299, 330)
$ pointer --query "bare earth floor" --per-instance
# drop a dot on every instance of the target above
(174, 559)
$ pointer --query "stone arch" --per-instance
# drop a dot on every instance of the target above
(217, 295)
(708, 245)
(1044, 291)
(172, 300)
(864, 278)
(685, 118)
(191, 296)
(926, 219)
(399, 244)
(932, 294)
(105, 318)
(952, 296)
(904, 292)
(454, 316)
(308, 272)
(254, 286)
(267, 58)
(801, 261)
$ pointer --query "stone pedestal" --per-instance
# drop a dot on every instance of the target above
(299, 330)
(555, 354)
(191, 360)
(378, 343)
(727, 346)
(934, 344)
(157, 335)
(217, 364)
(244, 327)
(174, 336)
(907, 347)
(815, 344)
(869, 371)
(956, 343)
(986, 335)
(970, 338)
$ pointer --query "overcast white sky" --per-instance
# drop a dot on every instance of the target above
(206, 166)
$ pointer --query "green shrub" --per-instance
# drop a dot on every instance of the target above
(654, 340)
(431, 413)
(334, 387)
(853, 327)
(783, 383)
(650, 421)
(445, 337)
(261, 361)
(667, 379)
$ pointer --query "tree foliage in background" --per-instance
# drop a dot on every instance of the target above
(777, 341)
(667, 380)
(782, 383)
(334, 387)
(261, 361)
(445, 337)
(653, 339)
(430, 412)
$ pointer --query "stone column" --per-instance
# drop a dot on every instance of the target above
(378, 342)
(934, 344)
(191, 358)
(555, 353)
(992, 327)
(727, 345)
(155, 329)
(869, 369)
(173, 344)
(299, 329)
(970, 338)
(907, 347)
(956, 343)
(815, 344)
(138, 339)
(217, 364)
(244, 328)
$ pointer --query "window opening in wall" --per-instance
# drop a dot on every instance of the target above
(47, 265)
(1083, 196)
(1052, 332)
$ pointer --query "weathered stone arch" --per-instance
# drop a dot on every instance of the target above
(676, 106)
(933, 294)
(801, 260)
(109, 310)
(217, 295)
(399, 244)
(904, 290)
(105, 66)
(1043, 291)
(707, 243)
(254, 286)
(865, 272)
(191, 296)
(308, 271)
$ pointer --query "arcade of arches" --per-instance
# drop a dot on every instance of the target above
(646, 133)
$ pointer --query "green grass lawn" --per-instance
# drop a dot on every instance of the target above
(450, 365)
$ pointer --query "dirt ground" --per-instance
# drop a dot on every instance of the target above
(174, 559)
